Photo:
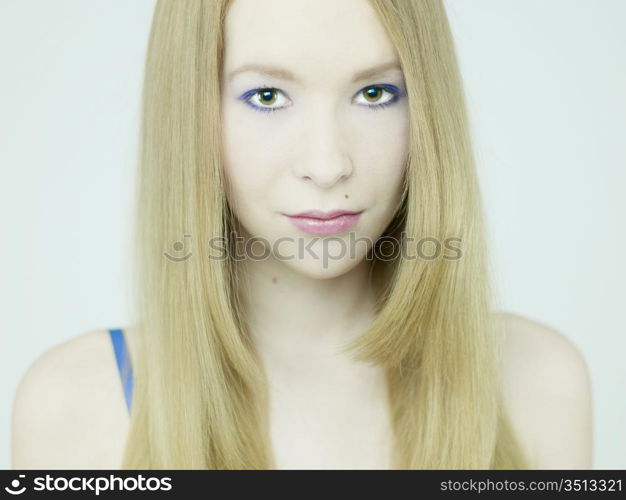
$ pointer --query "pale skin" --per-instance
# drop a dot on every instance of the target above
(326, 148)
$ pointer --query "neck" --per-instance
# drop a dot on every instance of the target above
(287, 310)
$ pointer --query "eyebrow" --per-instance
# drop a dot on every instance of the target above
(285, 74)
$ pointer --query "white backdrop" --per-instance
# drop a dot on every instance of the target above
(546, 88)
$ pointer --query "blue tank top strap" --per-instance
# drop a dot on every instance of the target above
(123, 363)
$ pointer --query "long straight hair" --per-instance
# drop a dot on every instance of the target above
(200, 394)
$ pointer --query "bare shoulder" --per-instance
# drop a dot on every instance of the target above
(547, 391)
(68, 409)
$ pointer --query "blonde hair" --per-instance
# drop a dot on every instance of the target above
(200, 393)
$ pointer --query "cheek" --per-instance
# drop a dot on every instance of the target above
(247, 161)
(383, 151)
(258, 153)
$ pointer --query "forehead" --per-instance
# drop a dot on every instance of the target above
(309, 37)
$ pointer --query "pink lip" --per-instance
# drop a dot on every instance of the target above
(319, 222)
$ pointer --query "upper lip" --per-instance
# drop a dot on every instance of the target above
(320, 214)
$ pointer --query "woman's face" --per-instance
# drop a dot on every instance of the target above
(315, 117)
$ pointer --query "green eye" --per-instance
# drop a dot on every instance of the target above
(372, 94)
(267, 96)
(263, 99)
(379, 96)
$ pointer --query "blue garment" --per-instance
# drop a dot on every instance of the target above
(123, 363)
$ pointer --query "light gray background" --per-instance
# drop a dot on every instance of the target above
(545, 81)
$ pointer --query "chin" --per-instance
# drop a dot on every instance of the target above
(318, 269)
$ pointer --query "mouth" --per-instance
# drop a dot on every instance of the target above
(324, 223)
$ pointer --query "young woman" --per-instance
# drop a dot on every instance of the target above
(287, 147)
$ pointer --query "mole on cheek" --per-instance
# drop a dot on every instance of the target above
(274, 280)
(346, 196)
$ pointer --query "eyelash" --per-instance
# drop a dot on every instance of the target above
(392, 89)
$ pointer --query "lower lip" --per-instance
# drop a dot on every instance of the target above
(335, 225)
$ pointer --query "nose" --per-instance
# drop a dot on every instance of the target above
(324, 159)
